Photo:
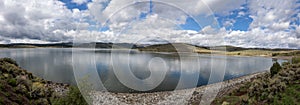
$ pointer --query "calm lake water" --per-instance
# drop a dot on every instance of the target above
(153, 71)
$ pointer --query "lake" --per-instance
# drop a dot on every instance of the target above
(129, 71)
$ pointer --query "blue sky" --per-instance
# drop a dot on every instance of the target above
(71, 5)
(238, 19)
(241, 22)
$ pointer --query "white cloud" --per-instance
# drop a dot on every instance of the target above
(50, 21)
(177, 11)
(241, 13)
(280, 26)
(229, 23)
(196, 7)
(37, 20)
(102, 12)
(272, 14)
(79, 1)
(262, 38)
(297, 31)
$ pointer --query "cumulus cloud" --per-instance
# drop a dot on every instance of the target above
(139, 21)
(80, 1)
(262, 38)
(196, 7)
(38, 20)
(272, 14)
(229, 23)
(174, 10)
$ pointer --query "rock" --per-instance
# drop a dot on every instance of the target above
(225, 103)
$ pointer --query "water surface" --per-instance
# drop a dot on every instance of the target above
(57, 64)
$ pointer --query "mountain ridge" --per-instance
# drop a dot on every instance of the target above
(133, 46)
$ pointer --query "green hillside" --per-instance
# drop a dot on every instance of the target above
(19, 87)
(282, 88)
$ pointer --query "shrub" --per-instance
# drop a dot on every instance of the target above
(285, 63)
(275, 54)
(275, 69)
(9, 60)
(73, 97)
(265, 90)
(12, 82)
(295, 60)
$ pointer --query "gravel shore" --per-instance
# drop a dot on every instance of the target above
(200, 95)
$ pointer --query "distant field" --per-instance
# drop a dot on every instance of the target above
(263, 53)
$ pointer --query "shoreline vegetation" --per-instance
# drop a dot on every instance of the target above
(279, 87)
(19, 87)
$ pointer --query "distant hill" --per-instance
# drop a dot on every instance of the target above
(224, 50)
(185, 47)
(156, 47)
(28, 45)
(174, 47)
(106, 45)
(69, 45)
(168, 47)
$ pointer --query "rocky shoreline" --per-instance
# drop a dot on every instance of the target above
(200, 95)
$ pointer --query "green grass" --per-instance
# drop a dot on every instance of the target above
(73, 97)
(291, 96)
(296, 59)
(12, 82)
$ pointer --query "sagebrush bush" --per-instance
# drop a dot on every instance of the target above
(12, 82)
(285, 63)
(9, 60)
(275, 69)
(296, 60)
(73, 97)
(266, 88)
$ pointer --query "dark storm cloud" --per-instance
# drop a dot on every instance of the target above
(15, 18)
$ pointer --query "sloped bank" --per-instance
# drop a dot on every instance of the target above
(17, 86)
(280, 87)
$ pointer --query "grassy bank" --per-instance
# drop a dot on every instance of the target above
(19, 87)
(224, 50)
(278, 88)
